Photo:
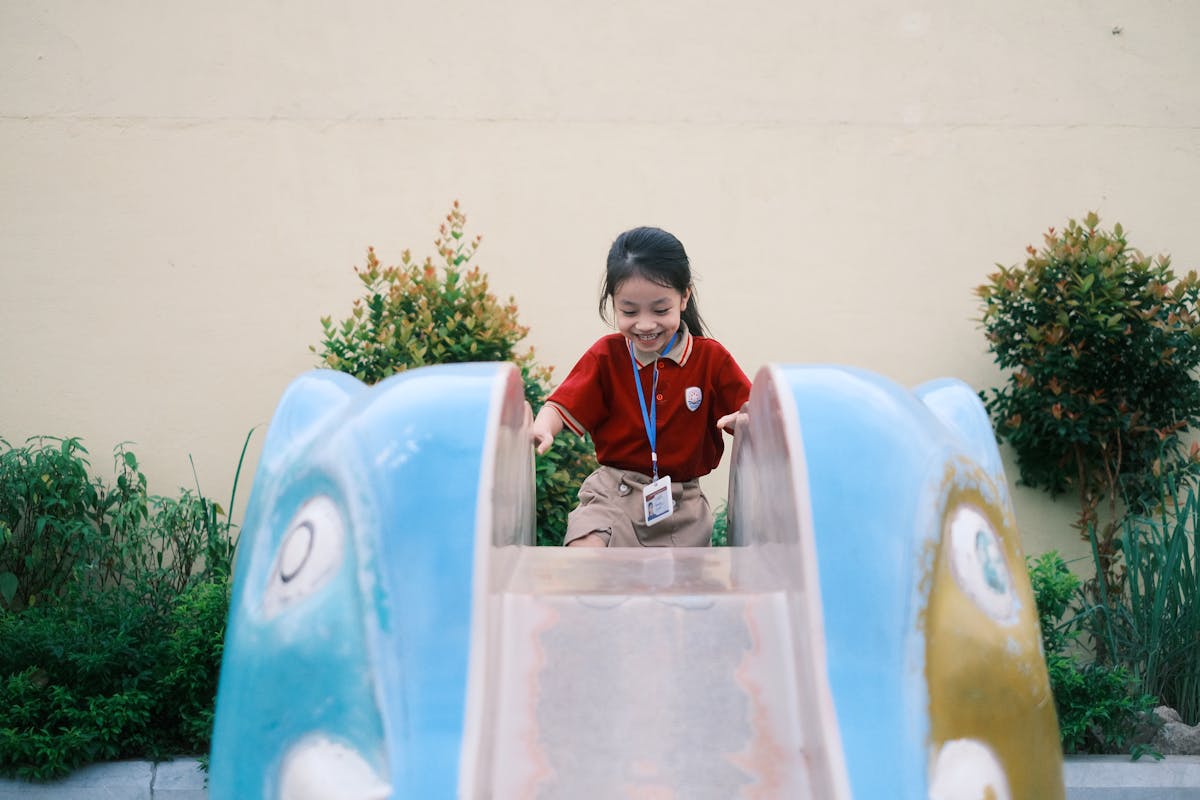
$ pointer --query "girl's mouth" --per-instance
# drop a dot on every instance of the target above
(646, 338)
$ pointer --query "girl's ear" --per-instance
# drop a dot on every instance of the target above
(686, 296)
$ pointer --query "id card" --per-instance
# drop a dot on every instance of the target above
(656, 497)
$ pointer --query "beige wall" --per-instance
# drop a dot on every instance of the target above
(184, 187)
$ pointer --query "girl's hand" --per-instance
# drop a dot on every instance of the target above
(542, 439)
(545, 427)
(730, 422)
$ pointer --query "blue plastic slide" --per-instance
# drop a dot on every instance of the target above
(870, 634)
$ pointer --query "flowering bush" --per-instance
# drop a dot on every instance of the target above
(441, 311)
(1101, 343)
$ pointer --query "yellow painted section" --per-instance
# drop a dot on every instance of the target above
(987, 678)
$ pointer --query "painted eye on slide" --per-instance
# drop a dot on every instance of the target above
(309, 555)
(977, 561)
(967, 769)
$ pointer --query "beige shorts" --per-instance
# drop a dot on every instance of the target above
(610, 504)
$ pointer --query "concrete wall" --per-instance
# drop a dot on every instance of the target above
(185, 187)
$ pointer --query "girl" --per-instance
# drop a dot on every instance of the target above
(654, 398)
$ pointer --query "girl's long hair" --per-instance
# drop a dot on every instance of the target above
(659, 257)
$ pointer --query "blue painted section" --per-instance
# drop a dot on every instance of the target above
(308, 400)
(430, 469)
(365, 660)
(959, 408)
(875, 456)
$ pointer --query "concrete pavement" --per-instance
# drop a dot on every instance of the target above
(119, 780)
(1087, 778)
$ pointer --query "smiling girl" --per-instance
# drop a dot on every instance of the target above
(654, 397)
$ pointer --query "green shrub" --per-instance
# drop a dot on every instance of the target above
(720, 534)
(103, 677)
(1151, 626)
(557, 476)
(1098, 711)
(193, 661)
(1101, 344)
(49, 506)
(76, 680)
(415, 314)
(1099, 707)
(62, 528)
(118, 655)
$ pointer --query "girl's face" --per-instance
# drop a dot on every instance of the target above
(647, 313)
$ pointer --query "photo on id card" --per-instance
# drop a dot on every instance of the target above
(656, 497)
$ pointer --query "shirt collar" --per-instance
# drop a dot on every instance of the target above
(678, 353)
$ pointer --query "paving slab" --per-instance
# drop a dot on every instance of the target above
(180, 780)
(1121, 778)
(118, 780)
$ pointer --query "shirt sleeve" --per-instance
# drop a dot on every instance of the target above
(732, 385)
(580, 399)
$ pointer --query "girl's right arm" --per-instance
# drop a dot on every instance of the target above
(545, 428)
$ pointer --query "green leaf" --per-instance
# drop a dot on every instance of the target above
(8, 587)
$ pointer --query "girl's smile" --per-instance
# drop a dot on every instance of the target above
(648, 313)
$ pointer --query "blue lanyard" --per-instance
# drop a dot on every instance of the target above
(650, 418)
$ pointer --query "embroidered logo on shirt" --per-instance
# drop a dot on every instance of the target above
(693, 396)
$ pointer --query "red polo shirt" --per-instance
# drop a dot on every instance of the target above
(599, 397)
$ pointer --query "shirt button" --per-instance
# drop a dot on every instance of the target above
(662, 364)
(659, 396)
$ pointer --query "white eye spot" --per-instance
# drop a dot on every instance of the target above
(977, 561)
(967, 769)
(309, 555)
(320, 769)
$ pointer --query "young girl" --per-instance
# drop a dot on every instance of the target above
(654, 397)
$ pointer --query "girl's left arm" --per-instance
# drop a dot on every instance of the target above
(733, 391)
(545, 427)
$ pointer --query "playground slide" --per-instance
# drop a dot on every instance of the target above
(870, 634)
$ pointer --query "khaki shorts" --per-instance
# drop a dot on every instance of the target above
(610, 504)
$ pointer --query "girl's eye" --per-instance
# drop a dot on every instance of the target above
(661, 311)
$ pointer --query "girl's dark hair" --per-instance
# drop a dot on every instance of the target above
(659, 257)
